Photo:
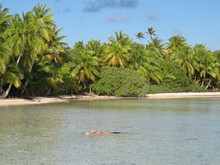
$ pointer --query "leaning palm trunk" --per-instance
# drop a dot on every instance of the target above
(208, 84)
(203, 81)
(10, 85)
(7, 91)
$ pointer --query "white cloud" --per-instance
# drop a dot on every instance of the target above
(98, 5)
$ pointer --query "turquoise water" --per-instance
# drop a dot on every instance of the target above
(154, 132)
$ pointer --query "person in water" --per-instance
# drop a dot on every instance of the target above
(97, 132)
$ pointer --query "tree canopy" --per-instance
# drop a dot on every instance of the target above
(34, 61)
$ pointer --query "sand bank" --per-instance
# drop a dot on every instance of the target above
(184, 95)
(47, 100)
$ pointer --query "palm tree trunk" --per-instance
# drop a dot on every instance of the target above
(208, 84)
(195, 78)
(19, 58)
(151, 38)
(203, 81)
(10, 85)
(7, 91)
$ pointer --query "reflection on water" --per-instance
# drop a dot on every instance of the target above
(165, 131)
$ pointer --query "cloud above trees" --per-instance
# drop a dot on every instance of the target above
(98, 5)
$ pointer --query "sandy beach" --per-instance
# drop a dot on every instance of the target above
(184, 95)
(47, 100)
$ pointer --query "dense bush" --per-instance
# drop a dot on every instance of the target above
(120, 82)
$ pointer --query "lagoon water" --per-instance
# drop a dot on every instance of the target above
(154, 132)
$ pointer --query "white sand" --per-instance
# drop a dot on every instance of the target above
(46, 100)
(184, 95)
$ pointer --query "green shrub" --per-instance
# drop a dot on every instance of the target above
(120, 82)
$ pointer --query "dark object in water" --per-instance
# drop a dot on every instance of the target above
(116, 133)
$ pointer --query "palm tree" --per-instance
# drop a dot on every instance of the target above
(151, 32)
(28, 35)
(85, 66)
(208, 66)
(150, 69)
(176, 43)
(140, 35)
(4, 49)
(4, 19)
(179, 51)
(117, 52)
(45, 21)
(137, 56)
(48, 40)
(24, 41)
(9, 72)
(157, 48)
(5, 53)
(55, 48)
(95, 47)
(185, 61)
(145, 62)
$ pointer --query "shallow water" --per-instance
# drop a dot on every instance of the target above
(154, 132)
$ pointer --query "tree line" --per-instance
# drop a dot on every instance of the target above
(35, 61)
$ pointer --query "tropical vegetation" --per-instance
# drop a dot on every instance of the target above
(34, 61)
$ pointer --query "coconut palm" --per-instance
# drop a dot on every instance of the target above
(4, 19)
(24, 41)
(5, 53)
(9, 72)
(151, 32)
(4, 49)
(140, 35)
(208, 68)
(116, 53)
(157, 48)
(185, 61)
(49, 42)
(145, 62)
(179, 51)
(150, 69)
(45, 21)
(95, 47)
(176, 43)
(85, 66)
(137, 56)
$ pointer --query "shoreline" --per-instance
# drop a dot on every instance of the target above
(66, 98)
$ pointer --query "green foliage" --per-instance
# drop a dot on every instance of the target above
(120, 82)
(179, 82)
(35, 61)
(117, 52)
(13, 75)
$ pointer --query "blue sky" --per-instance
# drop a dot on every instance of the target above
(197, 20)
